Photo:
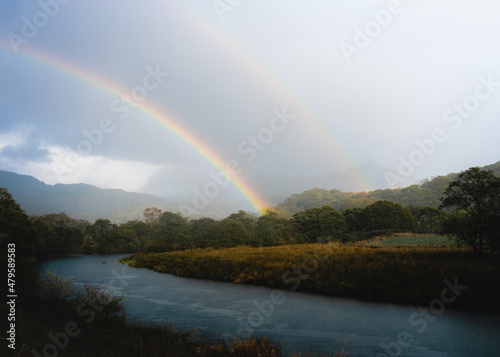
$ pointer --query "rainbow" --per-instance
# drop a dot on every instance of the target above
(164, 119)
(332, 142)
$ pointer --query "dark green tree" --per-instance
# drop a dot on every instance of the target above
(199, 228)
(174, 231)
(248, 219)
(144, 233)
(477, 193)
(458, 225)
(19, 240)
(324, 222)
(100, 235)
(123, 239)
(428, 219)
(16, 227)
(388, 216)
(355, 219)
(69, 235)
(227, 233)
(268, 229)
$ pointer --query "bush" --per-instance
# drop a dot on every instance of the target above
(59, 289)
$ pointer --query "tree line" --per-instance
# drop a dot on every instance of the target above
(469, 212)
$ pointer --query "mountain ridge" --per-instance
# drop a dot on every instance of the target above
(84, 201)
(427, 193)
(80, 200)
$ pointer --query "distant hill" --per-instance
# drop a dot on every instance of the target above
(83, 201)
(80, 201)
(427, 193)
(277, 188)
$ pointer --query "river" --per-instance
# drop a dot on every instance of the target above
(303, 321)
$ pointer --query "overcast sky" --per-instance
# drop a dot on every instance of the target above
(413, 86)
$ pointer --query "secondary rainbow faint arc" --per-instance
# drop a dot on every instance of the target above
(159, 116)
(267, 79)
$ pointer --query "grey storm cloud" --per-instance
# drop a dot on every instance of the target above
(25, 152)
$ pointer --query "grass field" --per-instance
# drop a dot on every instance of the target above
(400, 274)
(417, 240)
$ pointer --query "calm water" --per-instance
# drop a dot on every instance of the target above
(304, 321)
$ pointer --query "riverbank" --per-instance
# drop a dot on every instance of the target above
(51, 329)
(73, 322)
(408, 275)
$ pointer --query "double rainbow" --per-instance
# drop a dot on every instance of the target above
(240, 56)
(163, 118)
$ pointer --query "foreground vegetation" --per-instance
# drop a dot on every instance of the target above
(412, 275)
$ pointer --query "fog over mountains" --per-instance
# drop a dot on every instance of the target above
(83, 201)
(353, 180)
(90, 202)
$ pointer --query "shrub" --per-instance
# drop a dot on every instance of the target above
(59, 289)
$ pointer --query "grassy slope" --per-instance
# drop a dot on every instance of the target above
(412, 275)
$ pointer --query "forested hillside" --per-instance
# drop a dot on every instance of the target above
(79, 201)
(424, 194)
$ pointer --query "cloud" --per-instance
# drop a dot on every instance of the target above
(95, 170)
(23, 150)
(22, 144)
(25, 153)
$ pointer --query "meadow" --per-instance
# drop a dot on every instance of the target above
(420, 240)
(368, 271)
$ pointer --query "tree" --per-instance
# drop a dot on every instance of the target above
(386, 215)
(428, 219)
(315, 223)
(123, 239)
(16, 227)
(100, 233)
(152, 215)
(144, 233)
(19, 240)
(66, 234)
(174, 231)
(199, 228)
(227, 233)
(477, 193)
(354, 218)
(458, 225)
(248, 219)
(268, 229)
